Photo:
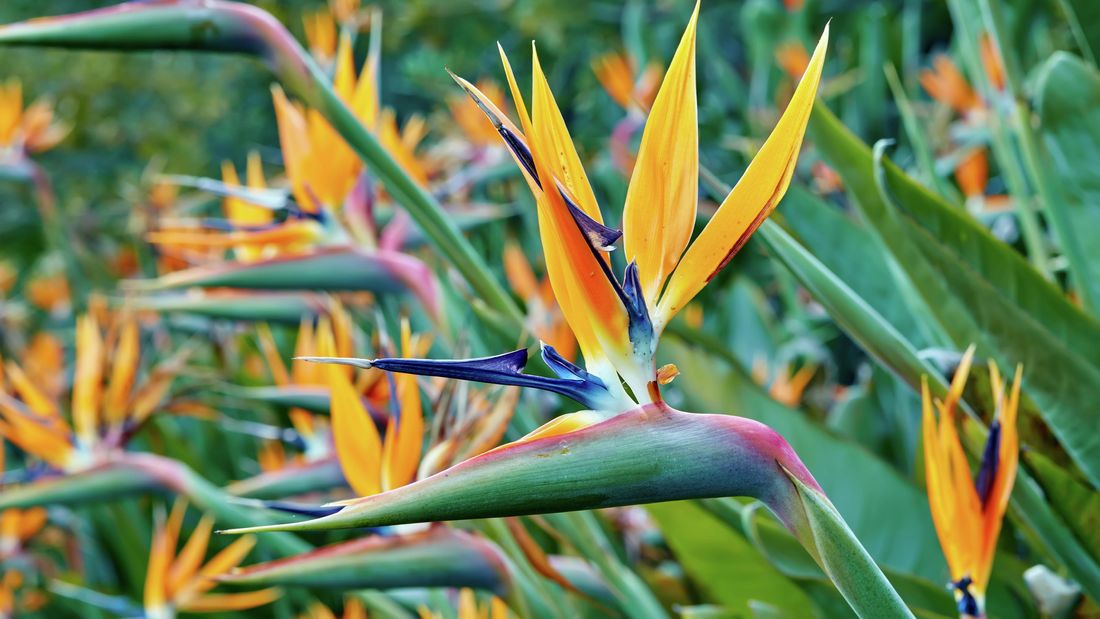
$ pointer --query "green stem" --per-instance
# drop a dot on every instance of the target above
(1011, 168)
(917, 143)
(1045, 185)
(1078, 32)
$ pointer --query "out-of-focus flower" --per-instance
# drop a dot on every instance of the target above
(17, 526)
(826, 180)
(785, 387)
(26, 131)
(321, 34)
(321, 167)
(793, 58)
(345, 11)
(332, 199)
(991, 62)
(353, 609)
(467, 607)
(10, 582)
(49, 291)
(968, 511)
(331, 335)
(617, 74)
(8, 274)
(469, 428)
(181, 582)
(945, 83)
(323, 26)
(108, 402)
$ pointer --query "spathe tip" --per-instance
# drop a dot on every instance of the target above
(366, 364)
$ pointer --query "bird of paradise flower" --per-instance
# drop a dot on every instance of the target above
(968, 512)
(108, 403)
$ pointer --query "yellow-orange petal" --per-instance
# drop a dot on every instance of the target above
(991, 61)
(750, 202)
(946, 84)
(294, 142)
(562, 424)
(358, 446)
(404, 435)
(48, 442)
(560, 156)
(220, 602)
(303, 372)
(399, 148)
(279, 374)
(123, 369)
(189, 560)
(972, 173)
(160, 558)
(936, 479)
(37, 401)
(587, 300)
(353, 609)
(229, 558)
(31, 521)
(659, 213)
(88, 379)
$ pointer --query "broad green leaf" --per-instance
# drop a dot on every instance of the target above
(981, 291)
(785, 553)
(726, 567)
(1069, 115)
(1078, 505)
(858, 483)
(858, 261)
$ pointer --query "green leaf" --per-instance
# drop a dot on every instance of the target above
(331, 269)
(982, 291)
(785, 553)
(237, 305)
(859, 261)
(857, 482)
(726, 567)
(846, 562)
(1078, 505)
(1069, 114)
(439, 557)
(292, 480)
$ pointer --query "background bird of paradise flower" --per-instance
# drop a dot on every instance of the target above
(842, 324)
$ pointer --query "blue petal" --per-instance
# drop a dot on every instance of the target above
(505, 369)
(987, 471)
(640, 329)
(564, 368)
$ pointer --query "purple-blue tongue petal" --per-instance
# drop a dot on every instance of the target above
(505, 369)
